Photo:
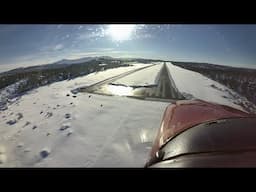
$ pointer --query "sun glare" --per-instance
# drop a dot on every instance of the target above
(120, 32)
(120, 90)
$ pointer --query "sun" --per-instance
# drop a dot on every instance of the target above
(121, 32)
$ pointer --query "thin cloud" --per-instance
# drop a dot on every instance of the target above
(91, 35)
(58, 47)
(103, 49)
(51, 48)
(59, 26)
(143, 36)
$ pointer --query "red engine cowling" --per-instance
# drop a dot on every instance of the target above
(183, 115)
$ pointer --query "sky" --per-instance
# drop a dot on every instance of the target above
(25, 45)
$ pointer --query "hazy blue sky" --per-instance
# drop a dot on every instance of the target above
(39, 44)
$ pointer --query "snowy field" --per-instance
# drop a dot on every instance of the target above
(51, 127)
(78, 82)
(194, 84)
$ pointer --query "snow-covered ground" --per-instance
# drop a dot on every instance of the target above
(149, 76)
(99, 76)
(51, 127)
(194, 84)
(9, 92)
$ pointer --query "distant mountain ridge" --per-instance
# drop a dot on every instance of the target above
(81, 60)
